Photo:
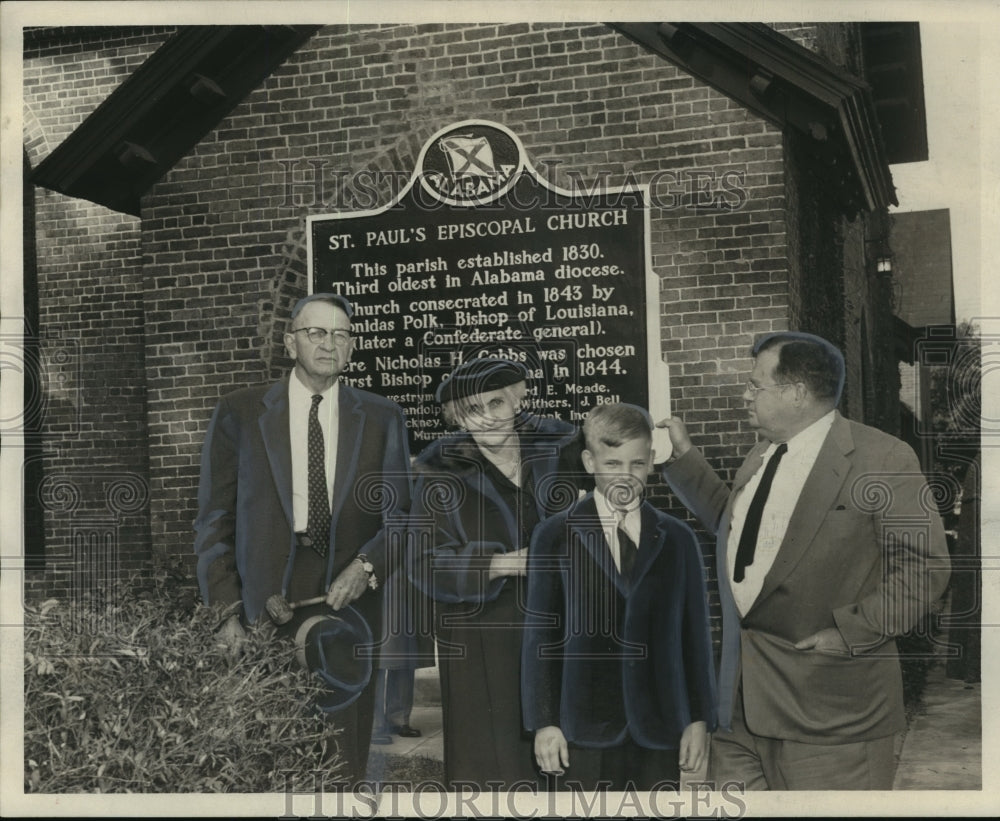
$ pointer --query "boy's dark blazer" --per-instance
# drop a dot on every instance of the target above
(604, 658)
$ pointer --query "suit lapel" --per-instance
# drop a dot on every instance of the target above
(750, 466)
(273, 424)
(351, 426)
(755, 458)
(586, 528)
(651, 542)
(818, 495)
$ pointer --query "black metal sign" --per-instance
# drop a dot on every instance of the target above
(479, 256)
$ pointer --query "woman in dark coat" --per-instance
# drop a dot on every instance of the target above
(479, 494)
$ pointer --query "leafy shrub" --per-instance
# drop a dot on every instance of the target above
(145, 701)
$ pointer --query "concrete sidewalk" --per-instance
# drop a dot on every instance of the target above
(425, 716)
(940, 750)
(942, 747)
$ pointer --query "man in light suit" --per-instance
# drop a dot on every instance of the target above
(300, 482)
(817, 576)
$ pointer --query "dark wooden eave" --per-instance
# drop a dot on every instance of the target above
(905, 338)
(159, 113)
(791, 87)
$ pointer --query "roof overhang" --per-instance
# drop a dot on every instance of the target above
(160, 112)
(791, 87)
(905, 338)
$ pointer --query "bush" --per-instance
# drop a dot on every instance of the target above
(145, 701)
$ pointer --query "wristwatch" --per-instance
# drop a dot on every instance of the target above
(369, 568)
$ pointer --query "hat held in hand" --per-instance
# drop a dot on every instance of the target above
(336, 648)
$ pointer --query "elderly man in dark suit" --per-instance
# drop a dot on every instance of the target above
(301, 481)
(829, 547)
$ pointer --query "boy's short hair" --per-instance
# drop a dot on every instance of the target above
(614, 423)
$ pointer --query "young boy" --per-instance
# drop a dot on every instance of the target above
(617, 675)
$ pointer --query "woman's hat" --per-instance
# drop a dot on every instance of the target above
(476, 376)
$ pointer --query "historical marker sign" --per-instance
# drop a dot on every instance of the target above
(479, 256)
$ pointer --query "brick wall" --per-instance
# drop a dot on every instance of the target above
(68, 72)
(224, 232)
(198, 306)
(94, 458)
(840, 42)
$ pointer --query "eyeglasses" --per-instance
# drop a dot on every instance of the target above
(755, 389)
(318, 335)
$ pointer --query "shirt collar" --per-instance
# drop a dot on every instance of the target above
(605, 511)
(811, 437)
(303, 393)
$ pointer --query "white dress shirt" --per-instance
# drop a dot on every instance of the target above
(299, 405)
(608, 515)
(794, 468)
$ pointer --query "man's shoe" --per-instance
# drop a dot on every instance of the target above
(405, 731)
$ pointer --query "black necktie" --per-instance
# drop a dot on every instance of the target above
(319, 501)
(748, 538)
(627, 549)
